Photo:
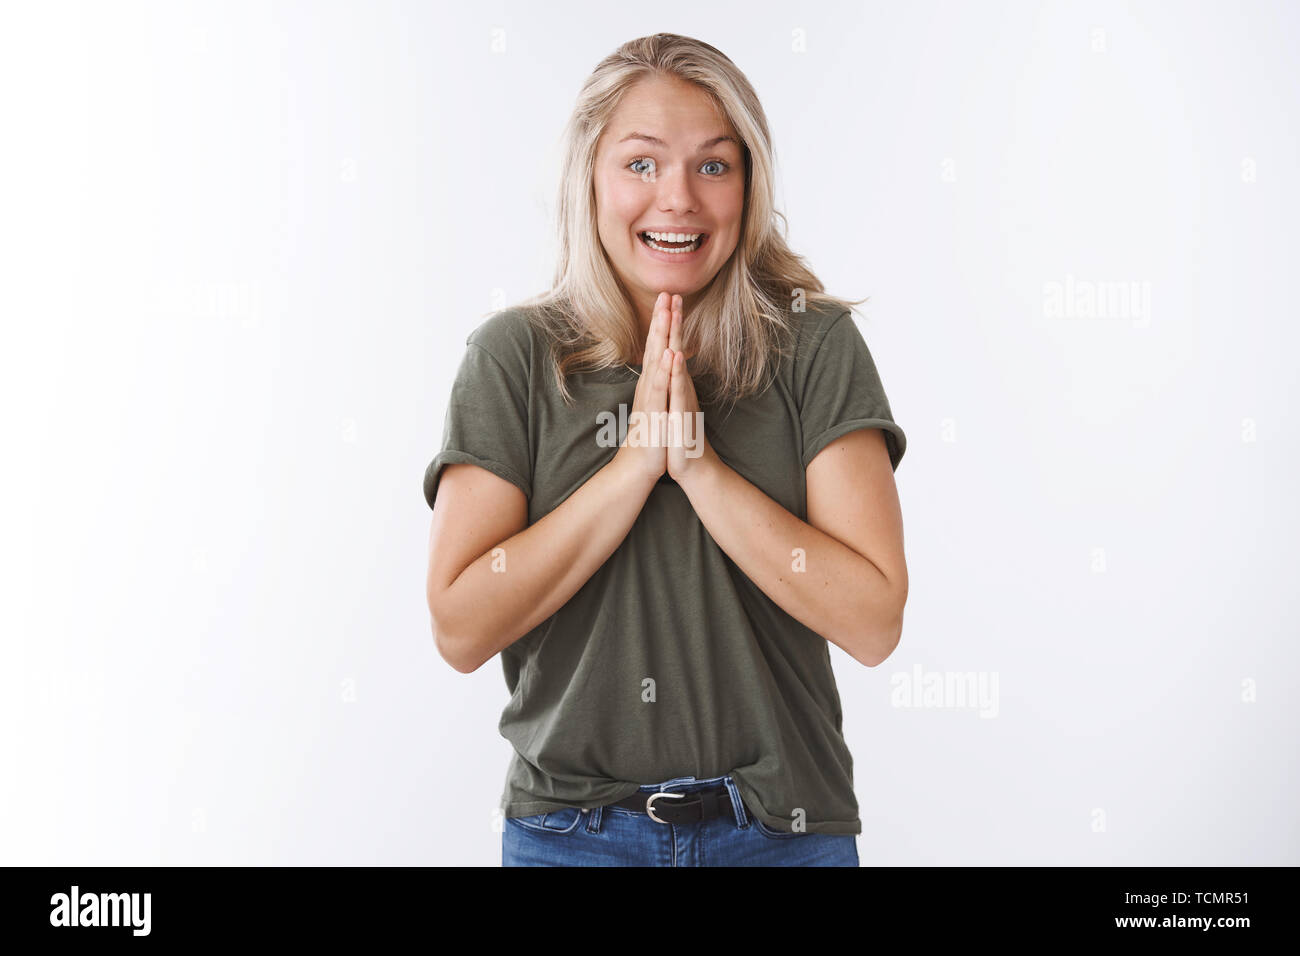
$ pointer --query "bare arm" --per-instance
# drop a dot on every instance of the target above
(519, 582)
(851, 546)
(855, 585)
(492, 579)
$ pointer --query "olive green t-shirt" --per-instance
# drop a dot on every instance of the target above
(669, 661)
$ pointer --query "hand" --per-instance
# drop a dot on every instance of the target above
(689, 451)
(644, 449)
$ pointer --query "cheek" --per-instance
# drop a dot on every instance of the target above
(615, 201)
(738, 208)
(731, 211)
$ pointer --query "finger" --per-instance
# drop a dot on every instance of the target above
(662, 377)
(654, 347)
(660, 330)
(691, 397)
(677, 391)
(648, 356)
(682, 377)
(675, 327)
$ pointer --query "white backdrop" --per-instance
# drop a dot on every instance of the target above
(243, 245)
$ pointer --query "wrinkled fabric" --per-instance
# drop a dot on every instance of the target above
(669, 661)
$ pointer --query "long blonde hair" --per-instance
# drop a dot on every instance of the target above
(740, 326)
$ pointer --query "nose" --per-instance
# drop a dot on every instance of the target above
(675, 192)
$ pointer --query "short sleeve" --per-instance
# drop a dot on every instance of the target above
(842, 392)
(486, 424)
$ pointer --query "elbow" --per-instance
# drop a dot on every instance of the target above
(881, 644)
(456, 652)
(456, 649)
(884, 646)
(452, 649)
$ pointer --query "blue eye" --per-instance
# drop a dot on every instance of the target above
(713, 162)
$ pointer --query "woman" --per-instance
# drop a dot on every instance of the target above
(662, 600)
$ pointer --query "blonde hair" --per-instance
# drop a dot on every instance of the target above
(740, 325)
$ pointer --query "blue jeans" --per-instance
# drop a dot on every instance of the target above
(613, 836)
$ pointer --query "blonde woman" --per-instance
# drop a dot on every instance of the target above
(662, 596)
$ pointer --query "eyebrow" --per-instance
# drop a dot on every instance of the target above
(659, 142)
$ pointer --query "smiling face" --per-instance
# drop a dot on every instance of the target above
(668, 162)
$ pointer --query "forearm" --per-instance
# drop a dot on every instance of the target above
(829, 588)
(525, 579)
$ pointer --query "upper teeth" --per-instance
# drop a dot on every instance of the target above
(674, 236)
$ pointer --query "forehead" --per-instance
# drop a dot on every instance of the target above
(679, 113)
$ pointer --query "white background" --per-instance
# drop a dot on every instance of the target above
(243, 245)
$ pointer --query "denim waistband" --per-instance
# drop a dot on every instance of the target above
(685, 784)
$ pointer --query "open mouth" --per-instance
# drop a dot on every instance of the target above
(662, 245)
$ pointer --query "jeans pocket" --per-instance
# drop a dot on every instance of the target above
(552, 821)
(771, 834)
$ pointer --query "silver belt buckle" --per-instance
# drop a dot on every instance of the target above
(650, 800)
